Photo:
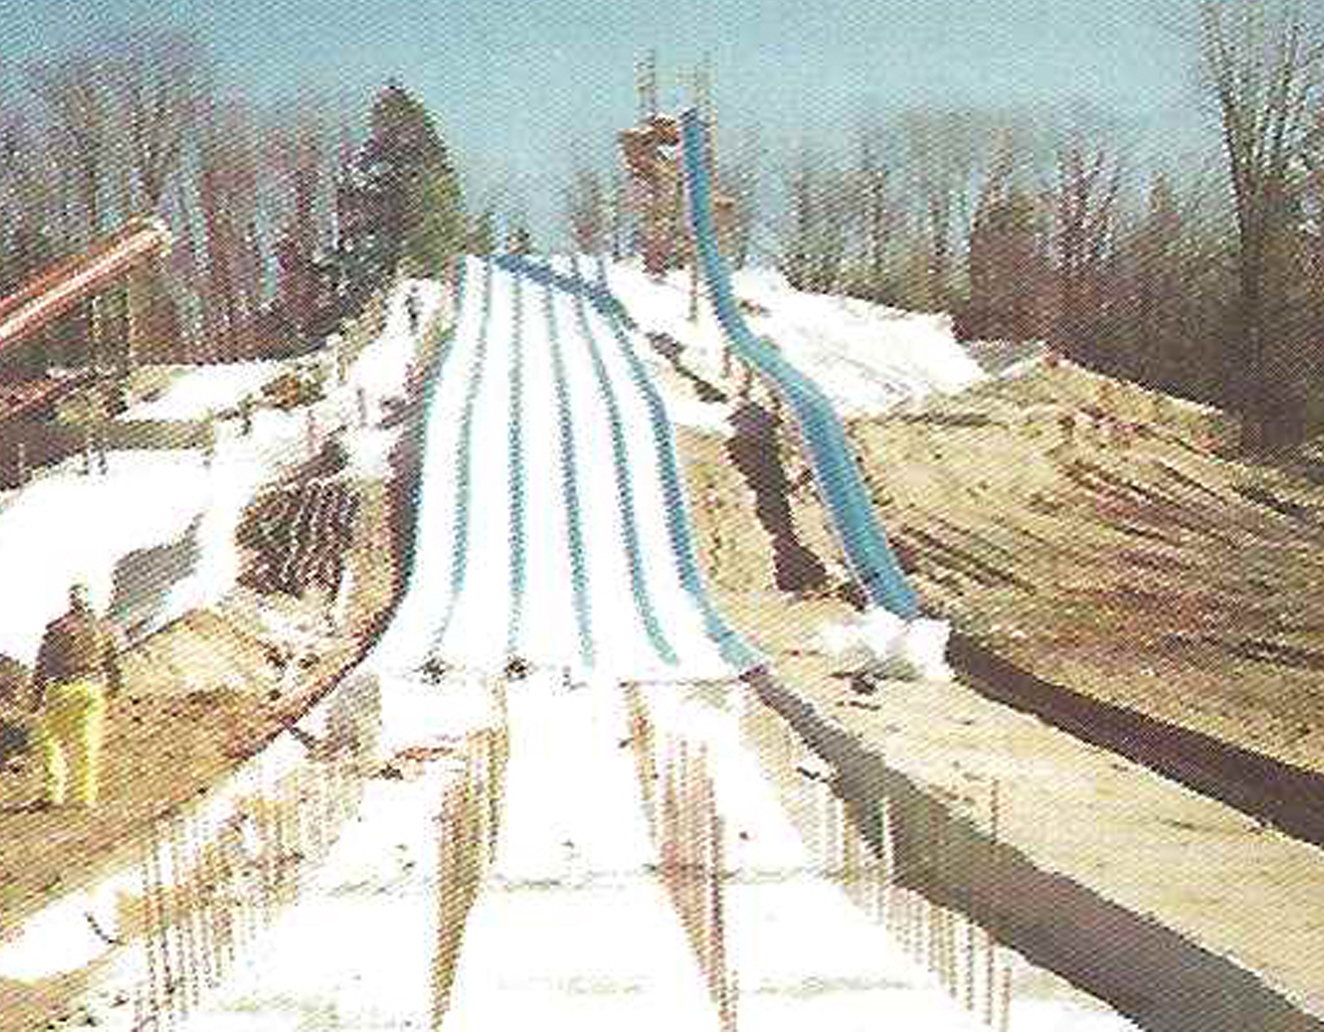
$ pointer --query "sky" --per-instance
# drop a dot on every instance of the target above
(517, 89)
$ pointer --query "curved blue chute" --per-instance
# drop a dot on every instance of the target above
(838, 477)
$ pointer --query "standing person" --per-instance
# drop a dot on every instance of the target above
(77, 671)
(411, 309)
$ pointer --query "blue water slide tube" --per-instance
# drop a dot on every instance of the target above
(838, 477)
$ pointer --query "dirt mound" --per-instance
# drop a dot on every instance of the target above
(300, 535)
(14, 679)
(202, 652)
(1091, 531)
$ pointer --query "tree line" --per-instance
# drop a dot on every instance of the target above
(285, 215)
(1204, 282)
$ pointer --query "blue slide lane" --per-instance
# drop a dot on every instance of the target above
(515, 463)
(624, 486)
(734, 649)
(569, 482)
(463, 462)
(862, 539)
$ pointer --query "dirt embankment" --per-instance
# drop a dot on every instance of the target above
(214, 686)
(1085, 531)
(1133, 587)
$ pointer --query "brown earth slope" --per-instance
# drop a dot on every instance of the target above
(1126, 560)
(1119, 578)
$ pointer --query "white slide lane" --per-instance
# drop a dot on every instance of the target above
(570, 501)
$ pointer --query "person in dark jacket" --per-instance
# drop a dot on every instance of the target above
(412, 309)
(77, 671)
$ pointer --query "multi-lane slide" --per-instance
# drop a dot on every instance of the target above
(623, 858)
(552, 523)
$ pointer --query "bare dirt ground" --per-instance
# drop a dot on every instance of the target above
(1115, 577)
(1131, 563)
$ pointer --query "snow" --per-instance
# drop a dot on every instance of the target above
(867, 358)
(68, 527)
(154, 536)
(882, 644)
(198, 390)
(162, 539)
(382, 368)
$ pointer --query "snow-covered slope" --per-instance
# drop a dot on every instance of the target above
(868, 358)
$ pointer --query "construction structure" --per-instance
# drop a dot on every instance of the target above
(31, 400)
(651, 153)
(68, 282)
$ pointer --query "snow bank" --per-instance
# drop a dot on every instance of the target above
(67, 527)
(381, 370)
(882, 644)
(662, 306)
(203, 389)
(867, 358)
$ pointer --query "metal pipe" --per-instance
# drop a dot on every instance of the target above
(70, 280)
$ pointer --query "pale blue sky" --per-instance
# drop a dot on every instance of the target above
(513, 85)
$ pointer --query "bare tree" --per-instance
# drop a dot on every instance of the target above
(1261, 60)
(817, 234)
(163, 78)
(78, 92)
(739, 172)
(227, 192)
(586, 209)
(1007, 263)
(1175, 282)
(943, 152)
(879, 210)
(300, 144)
(1084, 235)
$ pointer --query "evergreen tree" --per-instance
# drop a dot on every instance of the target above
(399, 202)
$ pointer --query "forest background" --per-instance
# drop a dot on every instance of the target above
(1203, 281)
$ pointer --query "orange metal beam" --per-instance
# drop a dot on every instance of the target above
(70, 280)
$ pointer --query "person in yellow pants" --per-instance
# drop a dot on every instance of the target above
(77, 670)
